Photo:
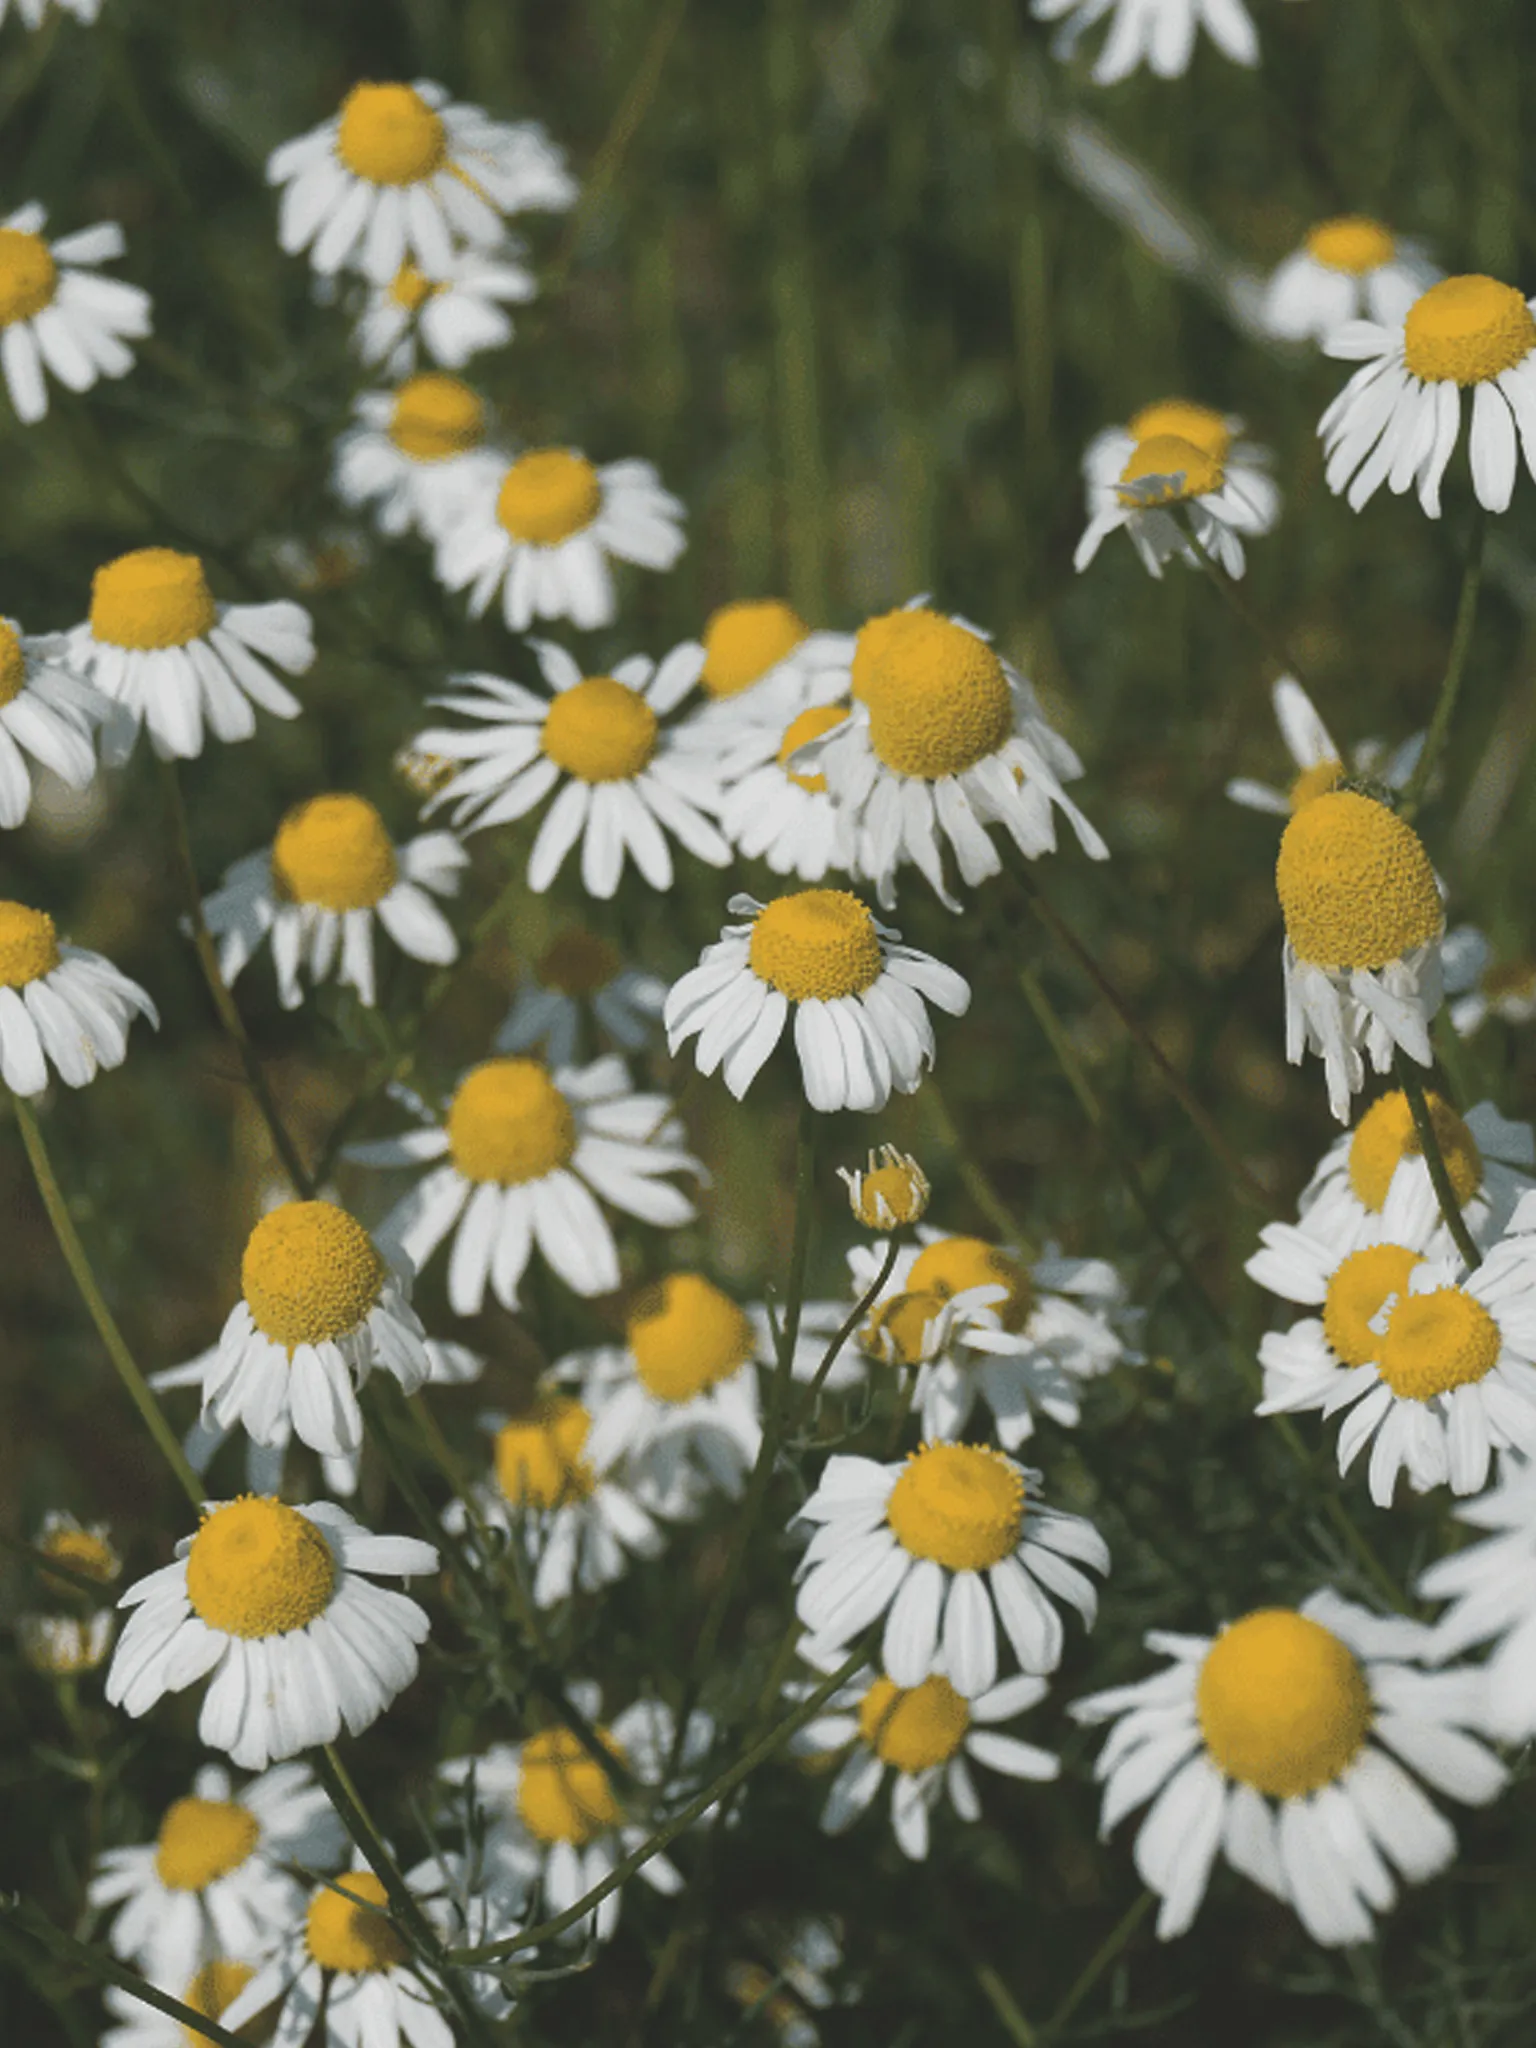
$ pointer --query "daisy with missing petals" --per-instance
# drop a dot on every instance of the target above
(1397, 420)
(1491, 1588)
(331, 869)
(1481, 987)
(944, 1545)
(576, 974)
(624, 781)
(271, 1600)
(170, 658)
(1281, 1744)
(60, 1006)
(412, 455)
(542, 528)
(1319, 762)
(1180, 484)
(1363, 923)
(449, 316)
(47, 711)
(1158, 33)
(403, 172)
(1348, 268)
(56, 313)
(526, 1154)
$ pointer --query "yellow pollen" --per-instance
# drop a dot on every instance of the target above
(578, 963)
(1314, 782)
(1355, 1295)
(28, 276)
(434, 417)
(539, 1462)
(817, 945)
(1467, 330)
(743, 641)
(957, 1263)
(310, 1274)
(1186, 470)
(509, 1123)
(389, 135)
(13, 664)
(800, 731)
(890, 1195)
(1385, 1137)
(913, 1731)
(1283, 1704)
(348, 1933)
(563, 1794)
(1437, 1341)
(411, 288)
(216, 1985)
(1355, 884)
(29, 946)
(600, 731)
(897, 1330)
(1199, 425)
(960, 1504)
(257, 1568)
(201, 1840)
(154, 597)
(938, 698)
(334, 852)
(547, 495)
(685, 1336)
(85, 1551)
(1352, 243)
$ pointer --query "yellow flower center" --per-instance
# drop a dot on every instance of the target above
(914, 1730)
(743, 641)
(938, 699)
(960, 1504)
(257, 1568)
(334, 852)
(686, 1335)
(85, 1551)
(1312, 783)
(563, 1794)
(201, 1840)
(547, 495)
(800, 731)
(819, 944)
(578, 963)
(310, 1274)
(1353, 243)
(891, 1195)
(350, 1933)
(1356, 1294)
(600, 731)
(957, 1263)
(1169, 470)
(1467, 330)
(897, 1329)
(28, 276)
(389, 135)
(153, 597)
(1437, 1341)
(434, 417)
(1355, 884)
(411, 288)
(539, 1462)
(1283, 1704)
(509, 1123)
(29, 946)
(13, 664)
(1199, 425)
(1385, 1137)
(216, 1985)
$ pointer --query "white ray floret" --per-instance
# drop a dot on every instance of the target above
(577, 974)
(454, 314)
(48, 711)
(1319, 761)
(1490, 1588)
(1176, 461)
(412, 457)
(1349, 268)
(60, 1006)
(1480, 987)
(1158, 33)
(33, 13)
(58, 314)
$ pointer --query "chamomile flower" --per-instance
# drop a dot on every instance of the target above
(1397, 420)
(32, 13)
(401, 172)
(1173, 458)
(412, 456)
(1158, 33)
(272, 1601)
(60, 1006)
(623, 781)
(58, 314)
(793, 1982)
(170, 658)
(762, 665)
(772, 810)
(1363, 923)
(576, 974)
(526, 1152)
(944, 1545)
(66, 1645)
(212, 1882)
(1319, 761)
(1282, 1744)
(542, 529)
(331, 869)
(1480, 987)
(449, 316)
(890, 1194)
(859, 997)
(1349, 268)
(209, 1991)
(47, 711)
(1491, 1590)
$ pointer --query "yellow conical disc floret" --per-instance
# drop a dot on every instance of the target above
(817, 945)
(743, 641)
(1314, 782)
(801, 730)
(897, 1330)
(1385, 1136)
(28, 276)
(1437, 1341)
(509, 1123)
(257, 1568)
(1355, 884)
(563, 1794)
(578, 963)
(685, 1335)
(938, 697)
(960, 1504)
(13, 664)
(1283, 1704)
(539, 1462)
(389, 135)
(434, 416)
(1199, 425)
(29, 945)
(1167, 469)
(310, 1274)
(600, 730)
(154, 597)
(334, 852)
(547, 495)
(891, 1194)
(217, 1985)
(957, 1263)
(1357, 1294)
(1467, 330)
(353, 1933)
(203, 1839)
(914, 1730)
(1352, 243)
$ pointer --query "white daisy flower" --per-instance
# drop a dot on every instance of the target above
(47, 711)
(169, 657)
(763, 660)
(401, 172)
(32, 13)
(577, 973)
(331, 869)
(890, 1194)
(1480, 987)
(271, 1600)
(67, 1645)
(542, 528)
(1282, 1745)
(1175, 456)
(412, 456)
(209, 1991)
(1349, 268)
(794, 1980)
(212, 1882)
(927, 1736)
(1491, 1588)
(1319, 761)
(770, 810)
(944, 1545)
(1397, 420)
(526, 1152)
(56, 313)
(624, 782)
(60, 1006)
(449, 316)
(1158, 33)
(859, 996)
(85, 1547)
(1363, 923)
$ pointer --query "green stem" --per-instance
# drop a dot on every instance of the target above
(1450, 686)
(1269, 643)
(1004, 2004)
(861, 1309)
(1099, 1962)
(106, 1969)
(1434, 1159)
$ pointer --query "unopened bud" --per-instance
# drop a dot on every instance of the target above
(891, 1192)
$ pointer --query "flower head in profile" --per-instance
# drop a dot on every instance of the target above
(1349, 267)
(578, 977)
(48, 711)
(1320, 762)
(75, 1636)
(58, 314)
(60, 1006)
(1178, 462)
(1490, 1591)
(447, 316)
(1158, 33)
(412, 456)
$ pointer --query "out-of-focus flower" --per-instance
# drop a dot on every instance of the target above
(1319, 761)
(1491, 1588)
(578, 972)
(1348, 268)
(1480, 987)
(1177, 458)
(449, 316)
(31, 13)
(47, 710)
(413, 456)
(1158, 33)
(60, 1006)
(57, 314)
(65, 1645)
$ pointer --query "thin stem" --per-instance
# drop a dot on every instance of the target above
(1270, 644)
(1434, 1159)
(1003, 2003)
(861, 1309)
(1099, 1962)
(1450, 686)
(106, 1969)
(106, 1326)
